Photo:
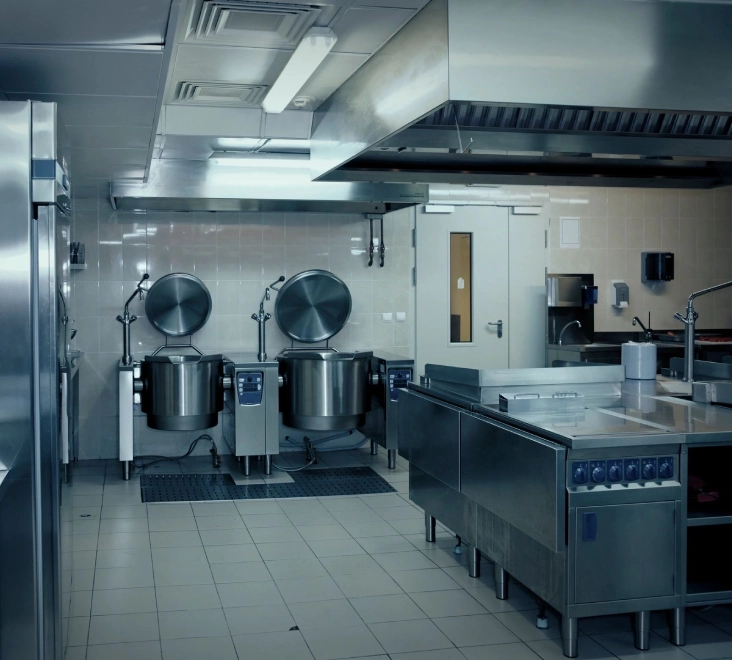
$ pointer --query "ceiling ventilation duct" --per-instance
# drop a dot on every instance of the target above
(216, 93)
(257, 184)
(610, 92)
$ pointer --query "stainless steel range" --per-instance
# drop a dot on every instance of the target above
(580, 502)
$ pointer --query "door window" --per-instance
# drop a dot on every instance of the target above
(461, 287)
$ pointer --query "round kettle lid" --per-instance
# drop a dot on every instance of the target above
(313, 306)
(178, 304)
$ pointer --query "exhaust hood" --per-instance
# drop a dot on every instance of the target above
(253, 184)
(575, 92)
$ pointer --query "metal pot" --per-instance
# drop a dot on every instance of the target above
(324, 390)
(182, 392)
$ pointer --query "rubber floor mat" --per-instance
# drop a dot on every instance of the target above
(325, 482)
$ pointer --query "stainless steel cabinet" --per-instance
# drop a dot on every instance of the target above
(625, 551)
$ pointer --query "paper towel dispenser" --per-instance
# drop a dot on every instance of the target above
(657, 266)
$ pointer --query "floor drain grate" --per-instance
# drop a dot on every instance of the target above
(326, 482)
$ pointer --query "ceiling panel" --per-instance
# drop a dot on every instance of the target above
(84, 21)
(404, 4)
(332, 73)
(109, 137)
(80, 71)
(365, 30)
(223, 122)
(84, 110)
(256, 66)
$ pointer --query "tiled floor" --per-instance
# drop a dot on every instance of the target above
(301, 579)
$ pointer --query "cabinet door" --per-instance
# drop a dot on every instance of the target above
(624, 551)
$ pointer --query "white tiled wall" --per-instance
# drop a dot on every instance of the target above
(616, 225)
(237, 256)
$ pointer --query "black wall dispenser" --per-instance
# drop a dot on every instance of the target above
(657, 266)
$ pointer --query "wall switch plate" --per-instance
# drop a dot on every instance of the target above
(387, 317)
(401, 316)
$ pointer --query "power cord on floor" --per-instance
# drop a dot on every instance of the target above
(311, 456)
(160, 459)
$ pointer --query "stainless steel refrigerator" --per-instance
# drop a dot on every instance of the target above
(34, 235)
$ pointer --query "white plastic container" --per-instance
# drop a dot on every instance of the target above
(639, 360)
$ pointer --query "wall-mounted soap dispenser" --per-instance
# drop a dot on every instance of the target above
(619, 294)
(657, 266)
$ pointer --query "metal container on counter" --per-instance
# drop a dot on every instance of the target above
(182, 392)
(323, 389)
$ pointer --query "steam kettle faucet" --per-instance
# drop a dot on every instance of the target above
(261, 318)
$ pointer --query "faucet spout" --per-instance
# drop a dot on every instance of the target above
(577, 323)
(647, 332)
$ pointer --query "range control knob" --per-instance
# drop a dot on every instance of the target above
(649, 470)
(598, 474)
(631, 471)
(615, 472)
(666, 468)
(579, 473)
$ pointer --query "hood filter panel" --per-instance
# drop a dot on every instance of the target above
(581, 120)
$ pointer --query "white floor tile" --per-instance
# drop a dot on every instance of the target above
(192, 623)
(80, 604)
(350, 565)
(345, 642)
(551, 649)
(517, 600)
(370, 529)
(187, 597)
(324, 614)
(447, 603)
(169, 510)
(259, 520)
(134, 540)
(408, 526)
(123, 601)
(136, 650)
(273, 646)
(323, 532)
(705, 642)
(258, 619)
(118, 628)
(225, 537)
(428, 579)
(515, 651)
(124, 511)
(407, 636)
(201, 648)
(75, 653)
(479, 630)
(360, 585)
(230, 554)
(336, 548)
(382, 501)
(258, 506)
(123, 578)
(460, 574)
(400, 513)
(403, 561)
(123, 525)
(249, 594)
(214, 509)
(291, 550)
(82, 580)
(380, 609)
(621, 645)
(343, 503)
(442, 654)
(306, 518)
(288, 569)
(523, 625)
(177, 524)
(378, 544)
(174, 539)
(124, 558)
(303, 590)
(357, 516)
(78, 631)
(233, 521)
(178, 555)
(275, 534)
(183, 573)
(250, 571)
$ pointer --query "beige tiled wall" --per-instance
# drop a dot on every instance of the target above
(237, 256)
(618, 224)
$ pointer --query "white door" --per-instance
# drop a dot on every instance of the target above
(480, 288)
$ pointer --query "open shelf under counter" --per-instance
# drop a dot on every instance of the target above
(703, 519)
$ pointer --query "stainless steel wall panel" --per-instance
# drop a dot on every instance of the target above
(429, 436)
(517, 476)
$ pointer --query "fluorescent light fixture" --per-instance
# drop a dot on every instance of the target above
(308, 55)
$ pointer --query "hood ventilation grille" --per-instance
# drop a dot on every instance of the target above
(254, 24)
(226, 94)
(581, 120)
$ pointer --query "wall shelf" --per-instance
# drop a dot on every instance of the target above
(702, 519)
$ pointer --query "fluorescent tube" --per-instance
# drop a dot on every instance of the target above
(308, 55)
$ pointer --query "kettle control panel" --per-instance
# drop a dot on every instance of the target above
(621, 470)
(249, 387)
(398, 378)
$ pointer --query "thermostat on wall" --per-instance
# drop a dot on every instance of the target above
(619, 293)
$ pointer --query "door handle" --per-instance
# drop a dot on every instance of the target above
(499, 325)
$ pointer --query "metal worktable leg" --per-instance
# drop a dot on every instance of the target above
(570, 633)
(642, 630)
(246, 466)
(474, 563)
(391, 454)
(429, 528)
(126, 469)
(501, 582)
(374, 448)
(678, 626)
(268, 464)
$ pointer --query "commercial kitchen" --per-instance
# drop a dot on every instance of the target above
(365, 329)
